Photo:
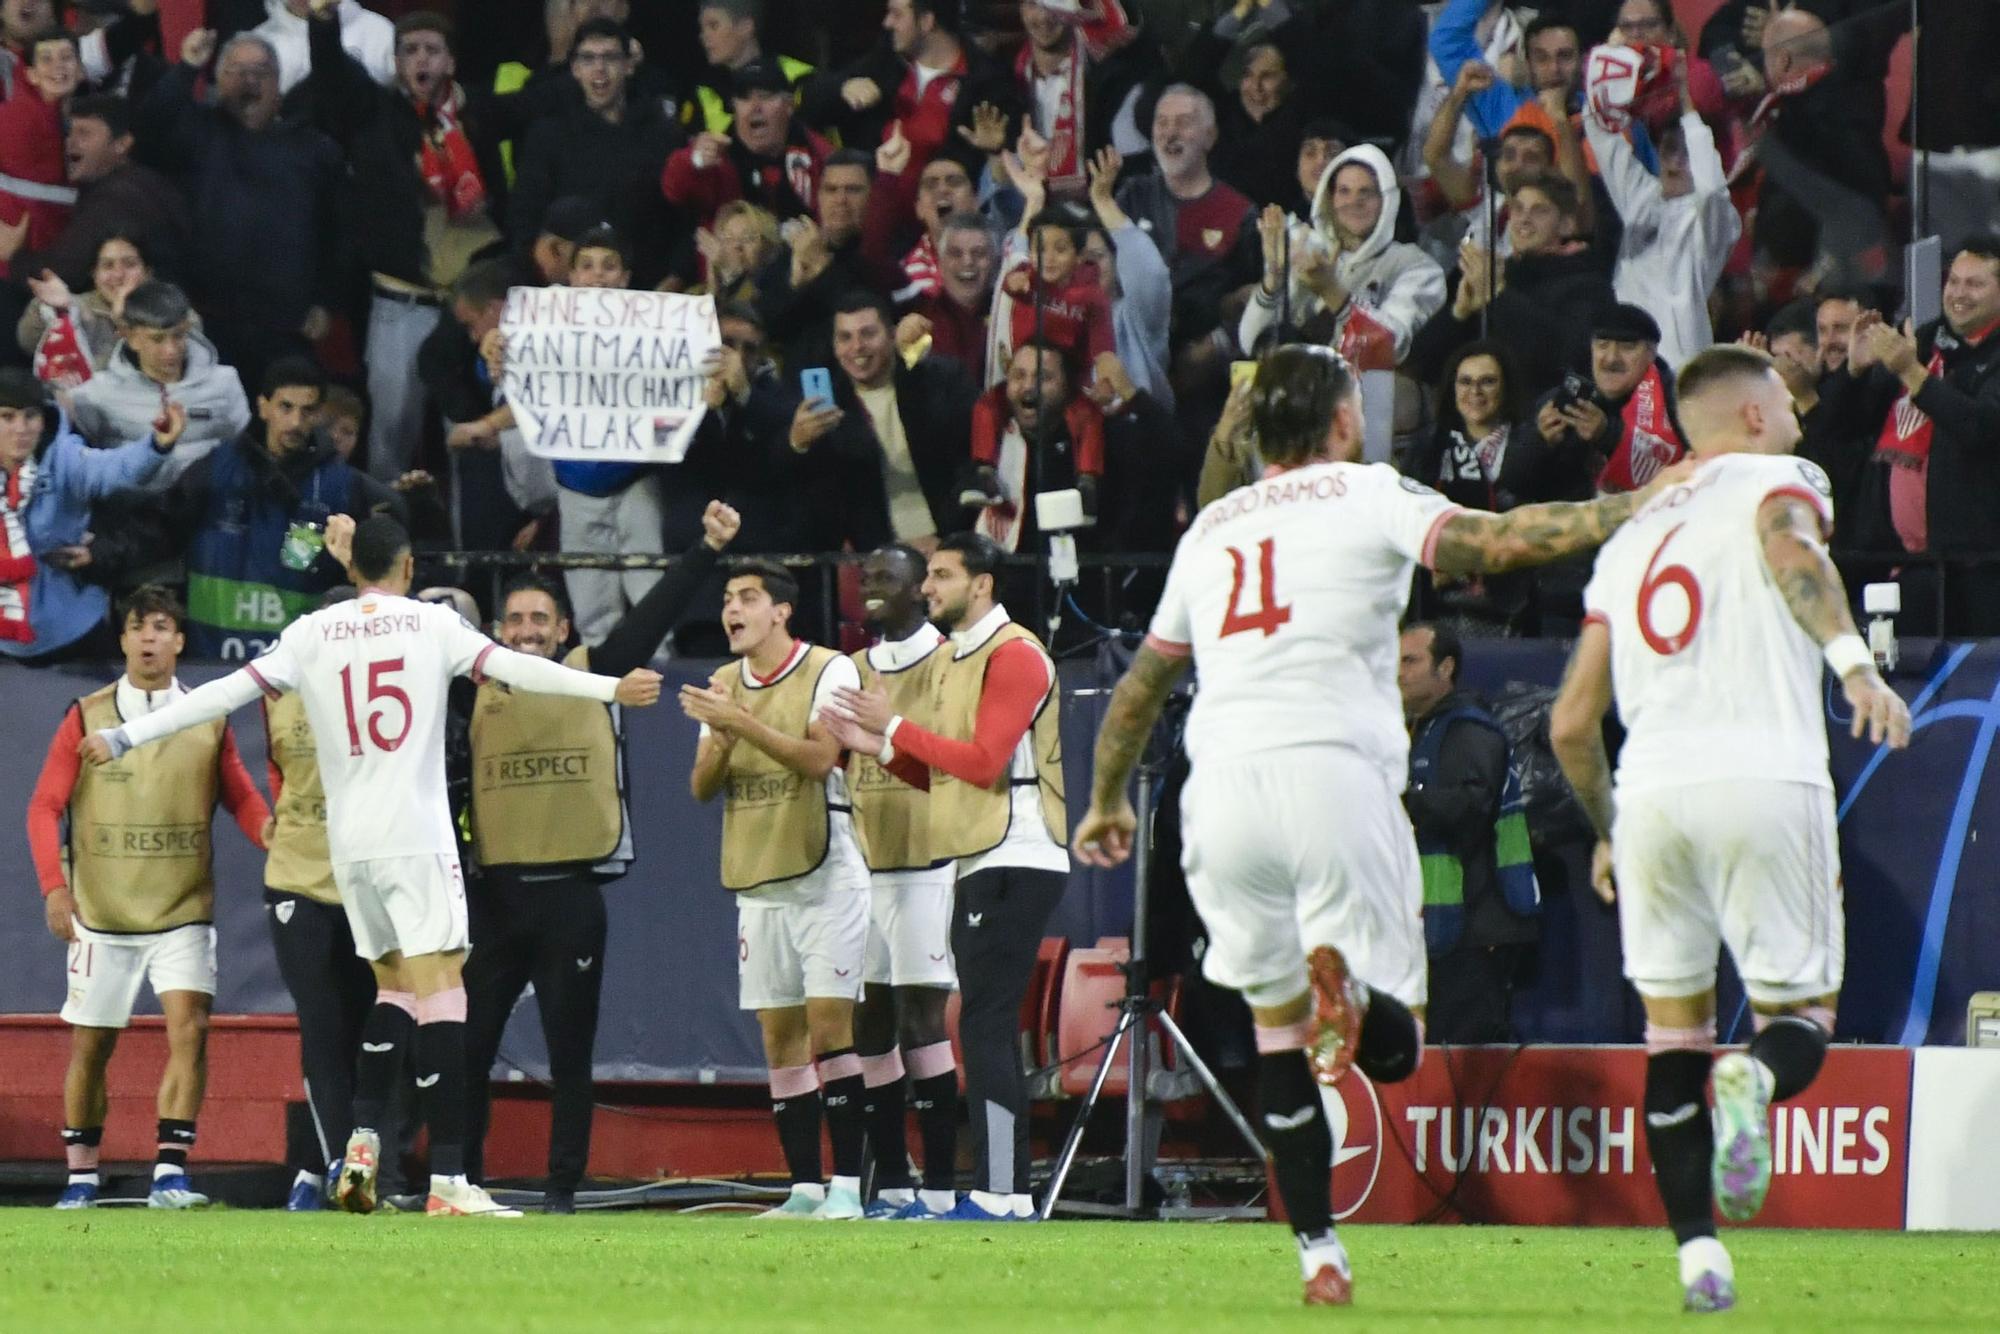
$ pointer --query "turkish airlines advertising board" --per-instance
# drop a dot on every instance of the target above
(1557, 1135)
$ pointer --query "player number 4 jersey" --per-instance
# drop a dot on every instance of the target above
(1714, 679)
(1288, 592)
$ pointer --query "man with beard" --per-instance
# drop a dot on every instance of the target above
(1205, 231)
(900, 1028)
(955, 317)
(1032, 433)
(922, 78)
(260, 186)
(767, 157)
(551, 828)
(1627, 421)
(251, 517)
(607, 147)
(989, 751)
(825, 258)
(896, 433)
(790, 858)
(425, 161)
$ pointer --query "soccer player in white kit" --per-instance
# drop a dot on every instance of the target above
(1708, 617)
(1286, 593)
(372, 673)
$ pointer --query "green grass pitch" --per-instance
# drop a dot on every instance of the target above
(117, 1270)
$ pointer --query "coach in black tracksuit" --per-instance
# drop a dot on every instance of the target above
(549, 827)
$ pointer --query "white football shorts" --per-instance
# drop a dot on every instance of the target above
(105, 971)
(1753, 864)
(414, 905)
(909, 928)
(1298, 848)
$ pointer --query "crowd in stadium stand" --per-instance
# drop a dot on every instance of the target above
(1027, 240)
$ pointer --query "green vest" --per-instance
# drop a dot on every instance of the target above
(709, 110)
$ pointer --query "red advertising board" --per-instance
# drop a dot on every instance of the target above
(1556, 1135)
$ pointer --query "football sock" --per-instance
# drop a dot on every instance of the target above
(934, 1095)
(846, 1096)
(795, 1107)
(80, 1144)
(1791, 1048)
(888, 1120)
(1704, 1255)
(385, 1035)
(441, 1077)
(1301, 1142)
(176, 1138)
(1391, 1040)
(1681, 1137)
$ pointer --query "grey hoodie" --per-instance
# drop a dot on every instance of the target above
(119, 403)
(1391, 284)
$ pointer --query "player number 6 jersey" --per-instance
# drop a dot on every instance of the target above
(1713, 676)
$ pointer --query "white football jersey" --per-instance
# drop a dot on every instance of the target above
(373, 673)
(1289, 592)
(1714, 679)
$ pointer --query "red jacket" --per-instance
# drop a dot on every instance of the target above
(31, 149)
(787, 187)
(1076, 319)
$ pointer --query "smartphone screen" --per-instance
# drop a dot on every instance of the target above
(814, 382)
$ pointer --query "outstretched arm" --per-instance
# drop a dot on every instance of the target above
(1104, 837)
(1475, 542)
(217, 699)
(1791, 532)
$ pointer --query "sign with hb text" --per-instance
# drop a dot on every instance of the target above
(605, 375)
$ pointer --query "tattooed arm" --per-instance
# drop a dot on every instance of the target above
(1791, 534)
(1104, 837)
(1576, 734)
(1475, 542)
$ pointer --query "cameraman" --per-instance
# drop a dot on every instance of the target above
(1622, 415)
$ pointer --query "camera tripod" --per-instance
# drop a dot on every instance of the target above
(1136, 1011)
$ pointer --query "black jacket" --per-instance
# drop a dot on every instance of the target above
(1962, 496)
(133, 201)
(265, 246)
(380, 135)
(934, 400)
(1457, 805)
(577, 152)
(985, 79)
(1544, 314)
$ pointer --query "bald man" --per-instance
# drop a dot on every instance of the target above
(1709, 616)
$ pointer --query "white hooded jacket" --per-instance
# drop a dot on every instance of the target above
(1673, 250)
(1392, 286)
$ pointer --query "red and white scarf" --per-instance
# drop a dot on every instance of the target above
(62, 356)
(920, 272)
(1065, 128)
(17, 562)
(449, 166)
(1649, 441)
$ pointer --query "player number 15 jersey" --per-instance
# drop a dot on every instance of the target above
(1713, 676)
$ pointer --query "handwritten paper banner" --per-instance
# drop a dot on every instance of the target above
(606, 375)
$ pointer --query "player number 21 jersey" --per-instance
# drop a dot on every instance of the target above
(1288, 592)
(1714, 678)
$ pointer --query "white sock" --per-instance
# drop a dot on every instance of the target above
(1704, 1255)
(437, 1180)
(852, 1185)
(161, 1170)
(1021, 1204)
(997, 1205)
(309, 1178)
(86, 1178)
(896, 1195)
(939, 1201)
(1318, 1251)
(812, 1190)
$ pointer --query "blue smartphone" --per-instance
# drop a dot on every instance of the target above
(814, 382)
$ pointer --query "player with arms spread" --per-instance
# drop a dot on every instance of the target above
(1298, 855)
(1709, 615)
(372, 673)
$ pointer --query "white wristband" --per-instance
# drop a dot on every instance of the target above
(1847, 652)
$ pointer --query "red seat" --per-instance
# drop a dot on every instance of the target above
(1038, 1004)
(1093, 986)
